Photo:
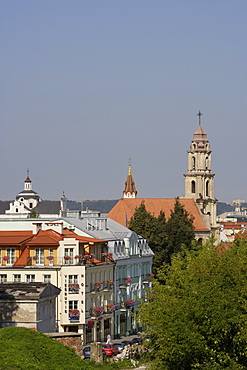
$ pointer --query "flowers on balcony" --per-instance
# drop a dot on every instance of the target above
(98, 285)
(98, 311)
(74, 287)
(111, 307)
(90, 323)
(74, 314)
(78, 256)
(67, 258)
(110, 282)
(49, 258)
(35, 258)
(86, 257)
(6, 258)
(108, 255)
(128, 303)
(151, 275)
(92, 256)
(128, 280)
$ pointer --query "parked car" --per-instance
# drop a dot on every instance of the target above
(86, 353)
(110, 349)
(137, 341)
(120, 347)
(126, 343)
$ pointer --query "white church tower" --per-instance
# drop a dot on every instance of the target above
(199, 180)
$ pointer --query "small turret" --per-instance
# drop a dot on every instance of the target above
(130, 189)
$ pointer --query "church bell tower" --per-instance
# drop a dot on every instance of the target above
(199, 180)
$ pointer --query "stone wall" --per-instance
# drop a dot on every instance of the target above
(72, 340)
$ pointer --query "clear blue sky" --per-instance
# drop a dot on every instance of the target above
(85, 84)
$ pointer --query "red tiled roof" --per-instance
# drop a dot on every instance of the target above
(125, 208)
(14, 237)
(233, 225)
(46, 237)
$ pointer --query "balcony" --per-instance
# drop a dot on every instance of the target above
(74, 288)
(96, 311)
(74, 315)
(147, 278)
(102, 310)
(123, 283)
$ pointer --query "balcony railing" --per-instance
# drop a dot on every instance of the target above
(99, 286)
(102, 310)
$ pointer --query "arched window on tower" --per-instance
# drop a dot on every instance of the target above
(207, 193)
(193, 163)
(193, 186)
(206, 163)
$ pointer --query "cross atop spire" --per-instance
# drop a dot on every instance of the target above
(199, 114)
(129, 169)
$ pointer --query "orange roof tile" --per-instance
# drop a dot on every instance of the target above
(125, 208)
(14, 237)
(46, 237)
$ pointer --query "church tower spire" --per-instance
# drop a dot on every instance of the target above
(199, 180)
(28, 182)
(130, 189)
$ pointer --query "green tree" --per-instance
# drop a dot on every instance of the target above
(179, 229)
(33, 214)
(154, 230)
(164, 237)
(198, 319)
(143, 223)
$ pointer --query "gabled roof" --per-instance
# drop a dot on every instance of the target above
(14, 237)
(125, 208)
(46, 237)
(48, 207)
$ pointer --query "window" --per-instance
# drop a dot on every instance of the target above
(16, 210)
(17, 278)
(193, 186)
(207, 192)
(3, 278)
(31, 205)
(10, 254)
(51, 255)
(73, 284)
(30, 278)
(193, 163)
(73, 305)
(39, 254)
(68, 254)
(47, 278)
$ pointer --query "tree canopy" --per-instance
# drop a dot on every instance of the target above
(164, 237)
(198, 319)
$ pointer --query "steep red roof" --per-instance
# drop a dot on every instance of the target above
(125, 208)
